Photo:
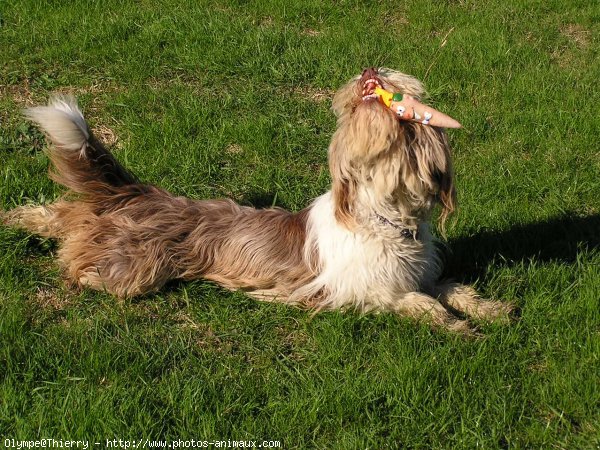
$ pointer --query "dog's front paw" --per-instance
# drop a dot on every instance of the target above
(493, 311)
(465, 300)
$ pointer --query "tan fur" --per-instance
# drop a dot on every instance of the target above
(421, 306)
(147, 239)
(465, 299)
(407, 162)
(344, 250)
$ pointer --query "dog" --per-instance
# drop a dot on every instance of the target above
(365, 244)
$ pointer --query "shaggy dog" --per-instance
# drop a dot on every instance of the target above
(365, 244)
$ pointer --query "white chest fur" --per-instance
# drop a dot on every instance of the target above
(366, 269)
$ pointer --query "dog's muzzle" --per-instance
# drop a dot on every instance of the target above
(369, 81)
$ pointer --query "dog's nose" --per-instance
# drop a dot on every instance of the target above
(369, 72)
(368, 81)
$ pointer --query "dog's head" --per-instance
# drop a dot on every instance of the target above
(380, 162)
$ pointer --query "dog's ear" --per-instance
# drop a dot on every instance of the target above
(447, 196)
(344, 195)
(346, 98)
(429, 155)
(344, 183)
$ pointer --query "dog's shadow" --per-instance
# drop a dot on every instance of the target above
(260, 199)
(559, 239)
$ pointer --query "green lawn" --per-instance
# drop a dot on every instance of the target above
(231, 98)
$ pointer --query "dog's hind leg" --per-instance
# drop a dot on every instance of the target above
(466, 300)
(54, 221)
(31, 218)
(423, 307)
(36, 219)
(119, 255)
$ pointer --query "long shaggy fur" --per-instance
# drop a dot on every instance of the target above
(365, 244)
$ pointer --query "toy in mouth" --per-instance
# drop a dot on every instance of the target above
(406, 107)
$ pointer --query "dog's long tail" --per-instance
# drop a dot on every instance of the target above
(80, 162)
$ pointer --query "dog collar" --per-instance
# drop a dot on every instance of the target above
(404, 232)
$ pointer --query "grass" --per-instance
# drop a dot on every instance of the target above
(231, 98)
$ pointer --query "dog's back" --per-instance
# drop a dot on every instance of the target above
(129, 238)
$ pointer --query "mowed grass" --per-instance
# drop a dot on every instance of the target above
(231, 99)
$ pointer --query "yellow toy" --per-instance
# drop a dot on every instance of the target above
(384, 96)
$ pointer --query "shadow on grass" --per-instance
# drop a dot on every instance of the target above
(263, 200)
(559, 239)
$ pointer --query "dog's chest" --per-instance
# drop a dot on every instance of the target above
(374, 268)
